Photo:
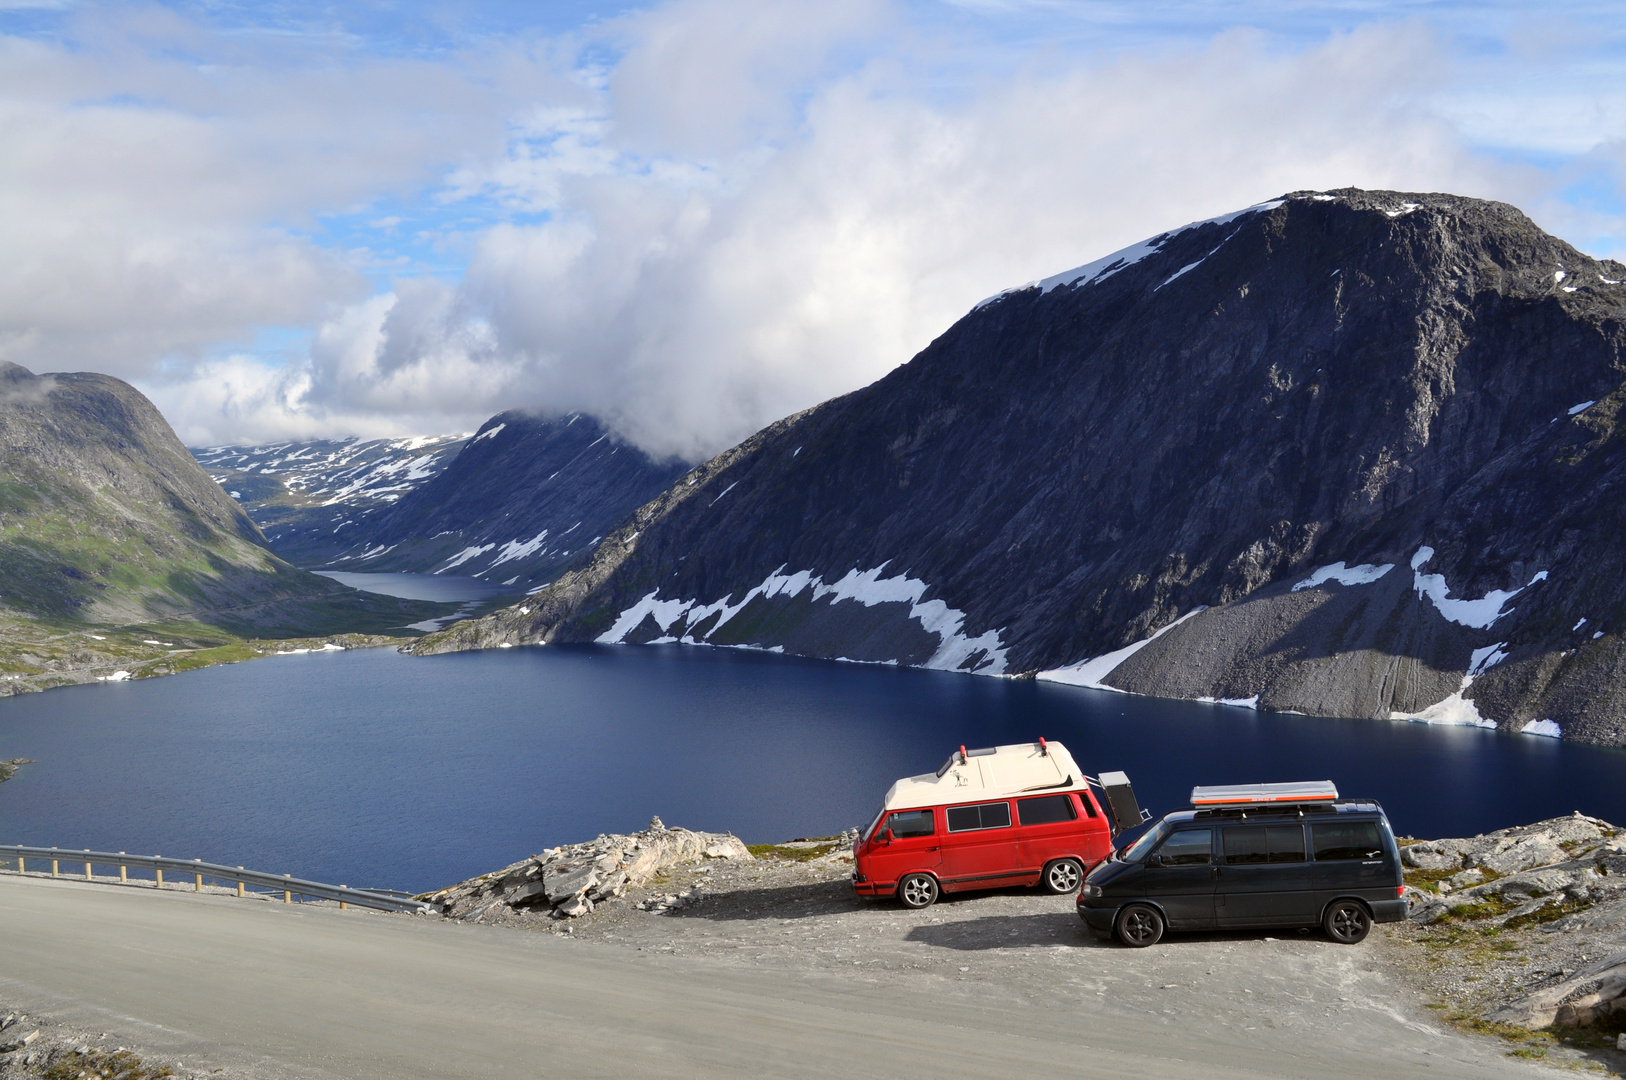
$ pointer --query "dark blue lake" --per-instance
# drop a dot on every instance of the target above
(372, 768)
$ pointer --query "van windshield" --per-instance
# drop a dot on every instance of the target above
(1148, 840)
(879, 814)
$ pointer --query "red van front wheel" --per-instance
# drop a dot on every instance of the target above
(1062, 876)
(917, 891)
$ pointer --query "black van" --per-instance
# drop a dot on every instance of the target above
(1253, 862)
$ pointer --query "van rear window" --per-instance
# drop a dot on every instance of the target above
(1347, 840)
(1046, 810)
(1252, 845)
(993, 815)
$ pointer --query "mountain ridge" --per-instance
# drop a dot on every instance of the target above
(1202, 421)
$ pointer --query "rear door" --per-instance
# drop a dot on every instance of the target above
(915, 846)
(1264, 879)
(1180, 878)
(1349, 860)
(980, 847)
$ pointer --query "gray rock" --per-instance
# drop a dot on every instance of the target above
(568, 881)
(599, 870)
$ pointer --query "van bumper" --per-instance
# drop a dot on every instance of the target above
(1388, 910)
(864, 887)
(1098, 919)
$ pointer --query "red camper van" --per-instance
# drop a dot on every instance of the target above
(1009, 815)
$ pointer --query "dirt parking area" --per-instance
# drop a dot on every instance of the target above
(793, 909)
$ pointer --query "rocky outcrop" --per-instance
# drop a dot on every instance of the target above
(1562, 877)
(1361, 446)
(572, 879)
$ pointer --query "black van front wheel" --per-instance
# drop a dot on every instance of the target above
(1062, 876)
(1347, 922)
(1140, 925)
(917, 891)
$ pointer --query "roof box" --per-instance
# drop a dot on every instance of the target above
(1263, 794)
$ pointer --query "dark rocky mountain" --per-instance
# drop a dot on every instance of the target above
(523, 498)
(313, 498)
(107, 521)
(1347, 453)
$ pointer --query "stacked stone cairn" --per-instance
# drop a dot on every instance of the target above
(572, 879)
(1561, 875)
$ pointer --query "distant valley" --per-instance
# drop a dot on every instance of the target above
(513, 505)
(119, 557)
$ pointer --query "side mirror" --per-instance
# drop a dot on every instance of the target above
(886, 836)
(1154, 860)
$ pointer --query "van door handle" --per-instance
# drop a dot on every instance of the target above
(931, 849)
(1216, 871)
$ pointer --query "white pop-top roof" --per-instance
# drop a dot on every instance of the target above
(1022, 768)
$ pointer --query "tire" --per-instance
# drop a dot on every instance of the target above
(1347, 922)
(917, 891)
(1139, 925)
(1062, 876)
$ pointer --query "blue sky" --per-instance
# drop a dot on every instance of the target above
(694, 217)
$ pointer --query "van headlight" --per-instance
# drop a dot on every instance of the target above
(1092, 890)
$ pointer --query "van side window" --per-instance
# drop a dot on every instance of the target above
(1347, 840)
(993, 815)
(1192, 847)
(911, 823)
(1254, 845)
(1046, 810)
(1089, 803)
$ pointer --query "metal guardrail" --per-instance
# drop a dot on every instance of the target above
(289, 886)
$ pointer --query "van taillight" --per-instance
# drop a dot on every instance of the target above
(1400, 890)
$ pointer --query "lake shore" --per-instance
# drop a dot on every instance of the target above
(44, 660)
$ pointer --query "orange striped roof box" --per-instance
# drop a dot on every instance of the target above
(1264, 794)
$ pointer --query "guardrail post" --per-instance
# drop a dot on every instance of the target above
(239, 884)
(54, 868)
(159, 871)
(124, 873)
(342, 905)
(88, 876)
(287, 897)
(197, 880)
(22, 865)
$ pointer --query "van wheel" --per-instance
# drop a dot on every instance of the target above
(917, 891)
(1347, 922)
(1062, 876)
(1140, 925)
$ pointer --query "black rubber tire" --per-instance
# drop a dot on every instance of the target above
(1139, 925)
(1062, 876)
(917, 891)
(1347, 922)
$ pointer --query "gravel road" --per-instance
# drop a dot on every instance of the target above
(778, 972)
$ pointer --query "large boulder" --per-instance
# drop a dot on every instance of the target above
(572, 879)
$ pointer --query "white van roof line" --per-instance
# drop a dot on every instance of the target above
(999, 772)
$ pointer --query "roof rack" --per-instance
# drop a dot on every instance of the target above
(1239, 796)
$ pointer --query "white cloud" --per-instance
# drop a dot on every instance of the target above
(745, 209)
(692, 307)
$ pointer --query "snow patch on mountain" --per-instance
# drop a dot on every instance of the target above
(1479, 614)
(517, 549)
(867, 587)
(1093, 671)
(1107, 265)
(1364, 574)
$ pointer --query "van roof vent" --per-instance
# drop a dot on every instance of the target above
(1264, 794)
